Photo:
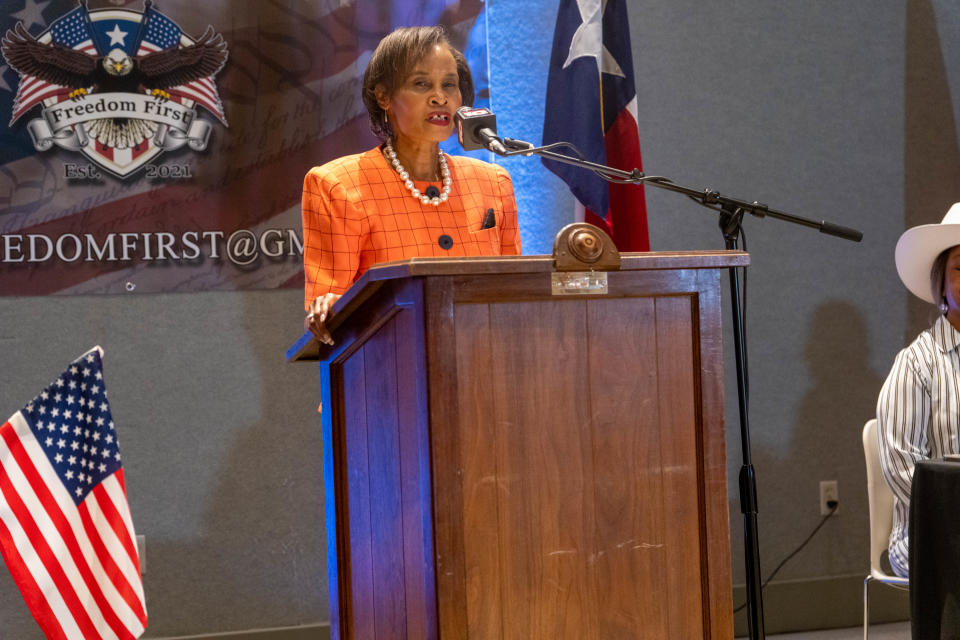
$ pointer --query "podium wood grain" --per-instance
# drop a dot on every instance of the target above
(507, 464)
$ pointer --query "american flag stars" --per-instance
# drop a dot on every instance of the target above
(71, 30)
(85, 432)
(161, 30)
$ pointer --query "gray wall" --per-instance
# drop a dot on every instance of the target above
(844, 111)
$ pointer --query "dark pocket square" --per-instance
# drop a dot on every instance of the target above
(489, 220)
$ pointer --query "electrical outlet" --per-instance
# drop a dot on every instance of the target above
(829, 493)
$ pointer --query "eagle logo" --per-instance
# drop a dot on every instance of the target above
(117, 85)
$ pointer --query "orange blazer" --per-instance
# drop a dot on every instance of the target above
(357, 212)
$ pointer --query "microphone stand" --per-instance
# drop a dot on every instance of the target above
(731, 211)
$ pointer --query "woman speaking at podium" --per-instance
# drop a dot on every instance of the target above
(404, 198)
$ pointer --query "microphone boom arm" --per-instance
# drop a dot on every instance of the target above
(709, 198)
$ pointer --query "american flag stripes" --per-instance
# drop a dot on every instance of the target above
(65, 528)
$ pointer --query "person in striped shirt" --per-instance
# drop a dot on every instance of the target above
(919, 404)
(404, 198)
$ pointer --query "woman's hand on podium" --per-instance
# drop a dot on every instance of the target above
(317, 316)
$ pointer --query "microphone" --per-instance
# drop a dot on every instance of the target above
(477, 129)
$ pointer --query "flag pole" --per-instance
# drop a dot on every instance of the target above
(731, 212)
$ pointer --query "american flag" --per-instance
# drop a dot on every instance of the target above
(65, 528)
(591, 102)
(70, 31)
(163, 33)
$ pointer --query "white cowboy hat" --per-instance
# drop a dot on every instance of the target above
(918, 248)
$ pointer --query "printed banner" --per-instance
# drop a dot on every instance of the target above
(150, 146)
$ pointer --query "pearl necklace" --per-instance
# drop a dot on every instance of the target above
(405, 176)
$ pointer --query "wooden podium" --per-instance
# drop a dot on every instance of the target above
(506, 458)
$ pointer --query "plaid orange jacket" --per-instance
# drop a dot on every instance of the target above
(357, 212)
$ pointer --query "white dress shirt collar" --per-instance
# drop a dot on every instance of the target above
(945, 336)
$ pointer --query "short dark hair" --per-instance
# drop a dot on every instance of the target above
(395, 57)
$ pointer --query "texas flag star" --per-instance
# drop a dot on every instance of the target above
(588, 39)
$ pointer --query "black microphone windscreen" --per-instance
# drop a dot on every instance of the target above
(469, 121)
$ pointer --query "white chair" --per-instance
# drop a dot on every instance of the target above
(880, 500)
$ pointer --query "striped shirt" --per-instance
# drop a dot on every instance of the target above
(917, 416)
(357, 212)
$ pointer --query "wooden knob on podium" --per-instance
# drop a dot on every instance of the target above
(584, 247)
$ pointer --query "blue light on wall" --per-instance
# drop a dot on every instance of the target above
(520, 38)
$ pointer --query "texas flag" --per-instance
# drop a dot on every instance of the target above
(592, 103)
